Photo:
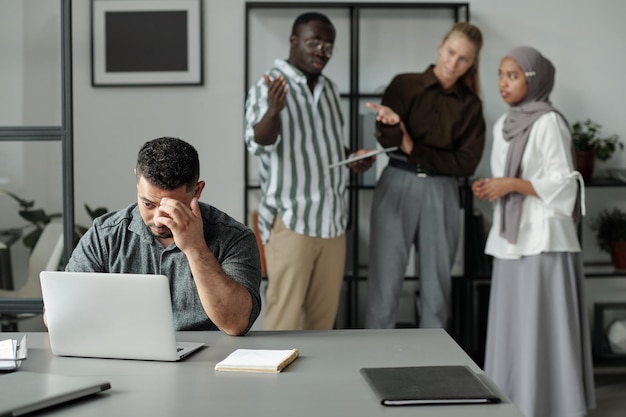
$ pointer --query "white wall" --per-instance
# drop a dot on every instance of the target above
(582, 38)
(112, 123)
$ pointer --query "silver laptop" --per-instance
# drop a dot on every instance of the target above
(124, 316)
(24, 392)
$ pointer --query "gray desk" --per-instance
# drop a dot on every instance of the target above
(323, 382)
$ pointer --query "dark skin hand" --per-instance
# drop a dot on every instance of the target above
(363, 164)
(311, 62)
(276, 94)
(267, 130)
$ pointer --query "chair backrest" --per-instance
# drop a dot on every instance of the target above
(47, 252)
(45, 256)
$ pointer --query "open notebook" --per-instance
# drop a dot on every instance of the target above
(258, 360)
(125, 316)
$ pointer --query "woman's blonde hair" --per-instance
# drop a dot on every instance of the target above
(473, 35)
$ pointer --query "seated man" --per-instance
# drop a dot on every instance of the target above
(212, 261)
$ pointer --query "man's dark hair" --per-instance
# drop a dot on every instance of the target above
(305, 18)
(169, 163)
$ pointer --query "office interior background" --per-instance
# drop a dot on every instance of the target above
(582, 38)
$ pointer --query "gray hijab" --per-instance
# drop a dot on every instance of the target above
(539, 73)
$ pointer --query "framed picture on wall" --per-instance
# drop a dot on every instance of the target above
(146, 42)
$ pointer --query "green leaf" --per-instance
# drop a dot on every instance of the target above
(38, 218)
(97, 212)
(31, 239)
(586, 137)
(80, 230)
(610, 226)
(35, 216)
(23, 203)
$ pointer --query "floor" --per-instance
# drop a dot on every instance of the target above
(610, 393)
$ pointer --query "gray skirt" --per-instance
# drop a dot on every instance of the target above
(538, 344)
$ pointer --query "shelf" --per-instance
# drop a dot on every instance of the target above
(607, 360)
(602, 270)
(602, 355)
(604, 182)
(361, 95)
(15, 306)
(360, 73)
(363, 278)
(380, 5)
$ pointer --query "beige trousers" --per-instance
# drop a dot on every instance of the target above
(304, 276)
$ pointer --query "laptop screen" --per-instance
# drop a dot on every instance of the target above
(113, 315)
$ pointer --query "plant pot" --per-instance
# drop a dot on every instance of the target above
(584, 163)
(618, 255)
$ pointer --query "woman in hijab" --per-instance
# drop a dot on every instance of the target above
(538, 346)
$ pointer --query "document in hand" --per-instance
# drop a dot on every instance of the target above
(363, 156)
(428, 385)
(258, 360)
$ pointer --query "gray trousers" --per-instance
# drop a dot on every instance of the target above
(411, 210)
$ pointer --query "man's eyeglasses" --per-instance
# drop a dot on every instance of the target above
(316, 45)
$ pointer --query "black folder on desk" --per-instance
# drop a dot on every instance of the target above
(25, 392)
(428, 385)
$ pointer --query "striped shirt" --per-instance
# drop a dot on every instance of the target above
(296, 183)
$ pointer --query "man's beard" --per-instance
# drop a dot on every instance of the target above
(160, 232)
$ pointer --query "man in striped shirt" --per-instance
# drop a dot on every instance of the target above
(294, 125)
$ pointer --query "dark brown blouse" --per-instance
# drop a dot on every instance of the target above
(447, 126)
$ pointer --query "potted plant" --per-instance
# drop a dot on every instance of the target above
(39, 218)
(590, 145)
(610, 228)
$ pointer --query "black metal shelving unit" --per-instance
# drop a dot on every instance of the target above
(602, 355)
(458, 12)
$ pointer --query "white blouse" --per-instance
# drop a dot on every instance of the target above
(546, 223)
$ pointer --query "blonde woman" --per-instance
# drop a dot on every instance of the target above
(435, 118)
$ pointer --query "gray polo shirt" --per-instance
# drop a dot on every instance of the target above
(120, 242)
